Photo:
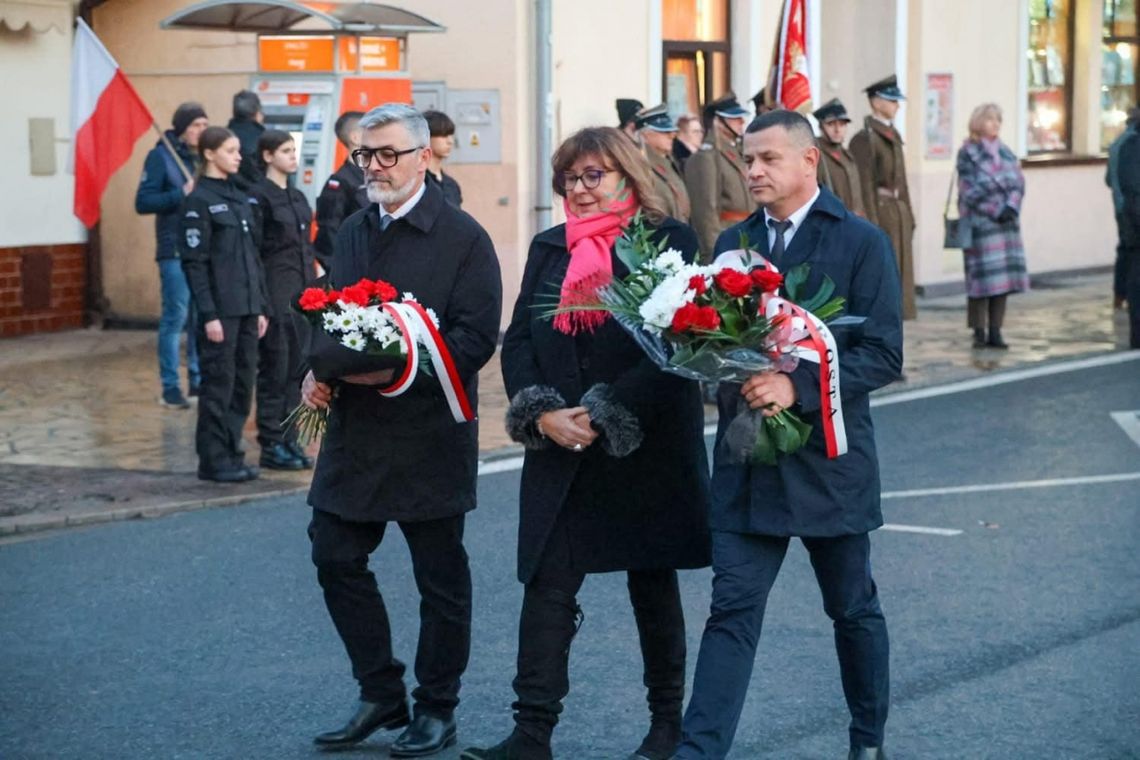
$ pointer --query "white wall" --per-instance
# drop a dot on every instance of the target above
(36, 70)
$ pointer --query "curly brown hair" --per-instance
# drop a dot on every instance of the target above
(616, 149)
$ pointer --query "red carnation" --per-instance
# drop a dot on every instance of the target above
(384, 291)
(736, 284)
(313, 299)
(333, 296)
(697, 283)
(355, 294)
(767, 281)
(693, 317)
(364, 283)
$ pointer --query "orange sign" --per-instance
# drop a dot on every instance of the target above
(295, 53)
(374, 54)
(363, 93)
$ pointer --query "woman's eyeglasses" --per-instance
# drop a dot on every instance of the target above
(387, 157)
(591, 178)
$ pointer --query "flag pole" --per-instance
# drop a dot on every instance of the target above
(170, 147)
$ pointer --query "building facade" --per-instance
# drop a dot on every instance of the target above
(1063, 71)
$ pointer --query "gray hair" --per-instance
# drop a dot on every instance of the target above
(246, 105)
(393, 113)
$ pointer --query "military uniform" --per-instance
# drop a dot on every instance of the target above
(837, 168)
(878, 152)
(667, 179)
(716, 179)
(343, 195)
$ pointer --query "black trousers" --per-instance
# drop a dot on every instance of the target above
(439, 563)
(745, 567)
(550, 619)
(226, 393)
(1132, 293)
(280, 369)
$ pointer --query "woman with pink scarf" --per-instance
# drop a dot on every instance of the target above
(615, 475)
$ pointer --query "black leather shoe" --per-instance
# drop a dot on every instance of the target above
(979, 338)
(278, 457)
(425, 736)
(995, 340)
(370, 717)
(237, 475)
(298, 452)
(661, 741)
(866, 753)
(514, 747)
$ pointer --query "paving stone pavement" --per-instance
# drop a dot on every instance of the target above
(83, 437)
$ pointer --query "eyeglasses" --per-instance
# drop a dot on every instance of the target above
(591, 178)
(387, 157)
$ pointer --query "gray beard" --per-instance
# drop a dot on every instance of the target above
(391, 197)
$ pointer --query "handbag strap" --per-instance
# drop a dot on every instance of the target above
(950, 193)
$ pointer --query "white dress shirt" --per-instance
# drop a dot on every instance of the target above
(404, 209)
(797, 218)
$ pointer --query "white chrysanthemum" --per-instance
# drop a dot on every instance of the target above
(386, 336)
(353, 340)
(373, 319)
(332, 322)
(657, 311)
(669, 261)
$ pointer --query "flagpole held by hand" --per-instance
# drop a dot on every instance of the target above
(170, 147)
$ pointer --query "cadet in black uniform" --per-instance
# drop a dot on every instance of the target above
(442, 130)
(219, 255)
(344, 193)
(287, 258)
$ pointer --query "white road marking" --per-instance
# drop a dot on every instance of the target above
(920, 529)
(1017, 485)
(501, 465)
(1130, 421)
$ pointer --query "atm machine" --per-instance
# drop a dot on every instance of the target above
(316, 60)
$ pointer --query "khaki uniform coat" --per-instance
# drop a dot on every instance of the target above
(841, 175)
(878, 152)
(670, 185)
(715, 177)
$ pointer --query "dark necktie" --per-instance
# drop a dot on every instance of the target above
(385, 220)
(777, 253)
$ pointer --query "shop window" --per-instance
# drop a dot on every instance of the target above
(1120, 54)
(1050, 57)
(696, 53)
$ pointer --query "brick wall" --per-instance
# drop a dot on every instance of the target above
(42, 288)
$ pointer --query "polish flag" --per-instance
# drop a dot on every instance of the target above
(107, 117)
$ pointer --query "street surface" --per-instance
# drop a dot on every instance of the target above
(1014, 610)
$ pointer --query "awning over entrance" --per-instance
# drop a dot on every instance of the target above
(40, 15)
(287, 16)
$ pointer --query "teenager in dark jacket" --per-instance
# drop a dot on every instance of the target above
(161, 189)
(248, 124)
(223, 267)
(343, 194)
(287, 258)
(442, 143)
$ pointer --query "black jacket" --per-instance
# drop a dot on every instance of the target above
(284, 219)
(638, 497)
(160, 192)
(451, 192)
(341, 197)
(405, 458)
(248, 133)
(805, 493)
(218, 243)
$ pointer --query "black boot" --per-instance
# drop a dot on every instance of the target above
(516, 747)
(995, 340)
(979, 338)
(661, 628)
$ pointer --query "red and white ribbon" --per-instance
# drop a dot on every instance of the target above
(419, 332)
(813, 342)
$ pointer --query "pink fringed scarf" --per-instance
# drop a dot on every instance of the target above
(589, 240)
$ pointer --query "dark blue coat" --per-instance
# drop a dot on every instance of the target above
(805, 493)
(160, 193)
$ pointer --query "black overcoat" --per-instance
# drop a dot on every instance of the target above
(805, 493)
(638, 497)
(285, 217)
(405, 458)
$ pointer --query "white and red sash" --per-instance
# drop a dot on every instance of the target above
(420, 333)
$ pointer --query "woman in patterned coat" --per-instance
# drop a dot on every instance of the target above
(990, 190)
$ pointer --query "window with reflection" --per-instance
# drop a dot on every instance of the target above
(1050, 73)
(1120, 52)
(696, 53)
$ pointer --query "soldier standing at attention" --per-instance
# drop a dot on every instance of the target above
(878, 152)
(657, 133)
(343, 193)
(836, 162)
(627, 109)
(715, 175)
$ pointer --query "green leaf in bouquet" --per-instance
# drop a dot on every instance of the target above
(783, 437)
(743, 240)
(794, 280)
(801, 428)
(821, 296)
(831, 309)
(763, 450)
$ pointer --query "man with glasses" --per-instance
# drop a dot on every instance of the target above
(403, 459)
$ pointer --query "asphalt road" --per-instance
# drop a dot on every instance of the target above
(204, 635)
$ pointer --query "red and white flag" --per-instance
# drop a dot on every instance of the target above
(107, 117)
(792, 82)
